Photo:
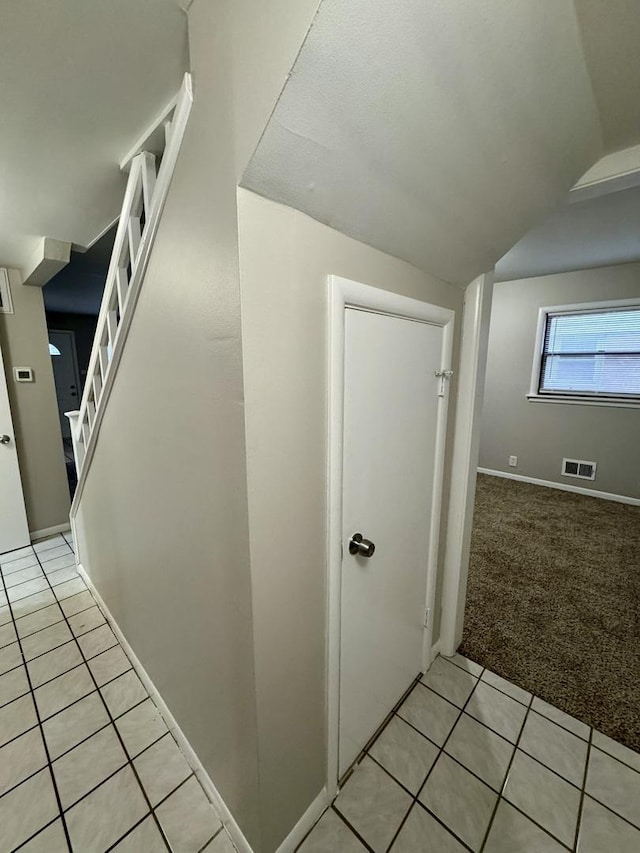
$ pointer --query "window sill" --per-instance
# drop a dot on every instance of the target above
(583, 401)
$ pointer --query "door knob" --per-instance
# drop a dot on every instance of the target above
(363, 547)
(5, 439)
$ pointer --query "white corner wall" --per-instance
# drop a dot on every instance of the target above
(541, 434)
(34, 408)
(163, 524)
(285, 259)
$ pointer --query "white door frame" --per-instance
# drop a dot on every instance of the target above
(343, 294)
(76, 369)
(19, 507)
(464, 466)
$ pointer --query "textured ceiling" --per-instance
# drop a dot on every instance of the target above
(611, 37)
(438, 132)
(81, 79)
(598, 232)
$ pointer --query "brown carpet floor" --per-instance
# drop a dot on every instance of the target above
(553, 601)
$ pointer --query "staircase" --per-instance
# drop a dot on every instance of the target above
(147, 189)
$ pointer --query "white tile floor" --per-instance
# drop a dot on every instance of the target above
(86, 762)
(469, 761)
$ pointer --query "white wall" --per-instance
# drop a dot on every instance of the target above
(541, 434)
(163, 527)
(285, 259)
(25, 343)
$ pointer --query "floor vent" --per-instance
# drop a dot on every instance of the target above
(579, 468)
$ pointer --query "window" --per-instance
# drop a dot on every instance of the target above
(589, 354)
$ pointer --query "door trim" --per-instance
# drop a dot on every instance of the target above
(74, 358)
(474, 343)
(343, 294)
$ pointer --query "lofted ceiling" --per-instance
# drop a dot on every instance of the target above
(439, 131)
(78, 287)
(597, 232)
(81, 80)
(597, 226)
(610, 31)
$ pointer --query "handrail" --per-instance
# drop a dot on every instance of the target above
(144, 201)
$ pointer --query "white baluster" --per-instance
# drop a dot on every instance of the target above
(78, 446)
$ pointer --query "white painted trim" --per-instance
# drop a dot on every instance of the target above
(6, 300)
(306, 823)
(435, 651)
(614, 403)
(466, 448)
(163, 182)
(563, 487)
(49, 531)
(344, 293)
(612, 173)
(141, 143)
(585, 307)
(194, 762)
(76, 247)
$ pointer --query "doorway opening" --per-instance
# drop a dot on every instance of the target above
(551, 600)
(553, 582)
(72, 302)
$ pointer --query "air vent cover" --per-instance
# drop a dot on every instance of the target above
(579, 468)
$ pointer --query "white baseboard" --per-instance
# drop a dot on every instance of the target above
(563, 487)
(305, 823)
(49, 531)
(203, 777)
(435, 651)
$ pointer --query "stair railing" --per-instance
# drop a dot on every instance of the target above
(142, 207)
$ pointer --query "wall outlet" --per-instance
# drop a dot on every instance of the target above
(513, 461)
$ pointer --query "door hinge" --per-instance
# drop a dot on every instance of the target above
(443, 375)
(427, 615)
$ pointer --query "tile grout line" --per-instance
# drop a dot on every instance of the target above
(105, 779)
(471, 772)
(80, 742)
(365, 752)
(118, 735)
(374, 737)
(64, 642)
(528, 754)
(213, 837)
(583, 791)
(112, 721)
(75, 701)
(416, 802)
(614, 757)
(506, 776)
(51, 604)
(41, 730)
(437, 758)
(350, 827)
(550, 719)
(130, 831)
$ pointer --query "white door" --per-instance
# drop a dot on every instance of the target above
(65, 374)
(390, 443)
(14, 530)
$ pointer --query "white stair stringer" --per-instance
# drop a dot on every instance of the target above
(144, 199)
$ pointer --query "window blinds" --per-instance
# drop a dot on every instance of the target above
(592, 354)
